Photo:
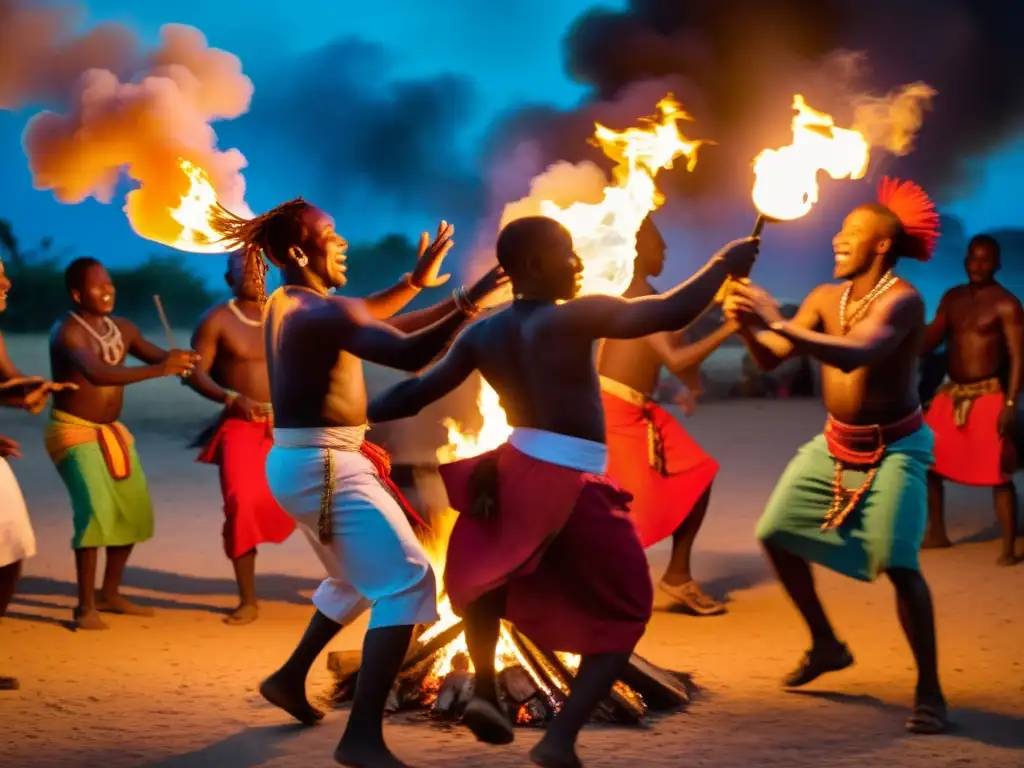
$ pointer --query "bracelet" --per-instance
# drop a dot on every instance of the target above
(407, 279)
(231, 397)
(463, 303)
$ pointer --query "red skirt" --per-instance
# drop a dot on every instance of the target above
(661, 500)
(974, 454)
(251, 514)
(563, 546)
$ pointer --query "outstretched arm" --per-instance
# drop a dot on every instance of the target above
(868, 342)
(358, 333)
(418, 319)
(139, 346)
(413, 395)
(680, 357)
(612, 317)
(769, 349)
(386, 303)
(935, 333)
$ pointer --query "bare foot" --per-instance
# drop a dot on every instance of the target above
(550, 755)
(121, 604)
(358, 755)
(242, 615)
(290, 695)
(936, 541)
(817, 662)
(88, 618)
(1007, 558)
(487, 722)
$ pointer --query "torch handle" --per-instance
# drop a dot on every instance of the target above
(759, 225)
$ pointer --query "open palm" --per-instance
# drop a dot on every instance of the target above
(426, 273)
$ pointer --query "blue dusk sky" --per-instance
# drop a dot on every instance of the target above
(485, 58)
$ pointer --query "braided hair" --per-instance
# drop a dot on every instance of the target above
(265, 236)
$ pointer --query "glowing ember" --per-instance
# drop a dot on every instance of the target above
(604, 233)
(787, 178)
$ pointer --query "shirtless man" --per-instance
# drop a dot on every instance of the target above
(649, 453)
(232, 371)
(544, 538)
(322, 471)
(17, 539)
(93, 452)
(974, 412)
(854, 499)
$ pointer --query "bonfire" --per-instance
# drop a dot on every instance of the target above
(438, 674)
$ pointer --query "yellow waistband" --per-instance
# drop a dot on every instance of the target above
(623, 391)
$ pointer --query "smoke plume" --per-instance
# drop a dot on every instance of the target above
(737, 63)
(125, 110)
(350, 125)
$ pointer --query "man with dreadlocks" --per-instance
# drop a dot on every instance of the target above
(866, 332)
(322, 470)
(974, 411)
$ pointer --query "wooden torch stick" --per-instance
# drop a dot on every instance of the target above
(163, 319)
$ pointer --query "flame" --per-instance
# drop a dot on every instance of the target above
(604, 233)
(192, 213)
(787, 178)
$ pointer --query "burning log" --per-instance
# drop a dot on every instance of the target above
(533, 687)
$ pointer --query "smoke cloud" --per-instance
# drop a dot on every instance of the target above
(350, 126)
(735, 64)
(126, 111)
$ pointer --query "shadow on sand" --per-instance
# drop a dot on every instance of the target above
(271, 587)
(722, 573)
(246, 749)
(984, 726)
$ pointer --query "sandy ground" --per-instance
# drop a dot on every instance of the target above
(180, 689)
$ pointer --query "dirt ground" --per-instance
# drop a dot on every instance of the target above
(179, 689)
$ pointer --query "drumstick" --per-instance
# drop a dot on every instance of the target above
(163, 319)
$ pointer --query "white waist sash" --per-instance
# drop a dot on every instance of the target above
(561, 450)
(335, 438)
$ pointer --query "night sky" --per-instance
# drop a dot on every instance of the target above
(434, 77)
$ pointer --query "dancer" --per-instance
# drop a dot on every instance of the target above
(93, 452)
(322, 470)
(975, 410)
(232, 371)
(544, 538)
(866, 332)
(649, 453)
(17, 539)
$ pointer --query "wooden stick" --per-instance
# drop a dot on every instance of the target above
(163, 319)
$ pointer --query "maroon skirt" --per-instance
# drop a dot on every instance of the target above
(560, 542)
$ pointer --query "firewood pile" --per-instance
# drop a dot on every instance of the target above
(533, 684)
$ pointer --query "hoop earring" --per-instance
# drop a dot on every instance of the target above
(300, 257)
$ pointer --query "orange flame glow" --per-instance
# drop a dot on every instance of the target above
(787, 178)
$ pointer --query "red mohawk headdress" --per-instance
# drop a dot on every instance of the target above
(916, 212)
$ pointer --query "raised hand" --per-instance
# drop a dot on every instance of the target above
(431, 255)
(739, 255)
(491, 290)
(752, 299)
